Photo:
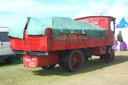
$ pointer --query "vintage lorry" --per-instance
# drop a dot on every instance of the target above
(45, 42)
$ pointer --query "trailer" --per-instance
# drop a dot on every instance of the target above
(62, 41)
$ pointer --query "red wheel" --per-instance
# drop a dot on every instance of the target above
(74, 61)
(110, 56)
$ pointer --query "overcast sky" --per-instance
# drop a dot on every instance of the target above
(13, 12)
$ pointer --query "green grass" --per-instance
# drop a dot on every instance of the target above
(17, 74)
(127, 49)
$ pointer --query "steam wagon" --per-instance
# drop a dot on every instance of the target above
(45, 42)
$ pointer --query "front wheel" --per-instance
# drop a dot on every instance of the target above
(110, 55)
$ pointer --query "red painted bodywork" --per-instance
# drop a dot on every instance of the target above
(46, 43)
(33, 61)
(99, 50)
(103, 22)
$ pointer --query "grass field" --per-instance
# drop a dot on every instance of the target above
(94, 72)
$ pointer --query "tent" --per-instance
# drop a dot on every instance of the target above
(122, 24)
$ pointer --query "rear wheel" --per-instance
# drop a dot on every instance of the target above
(110, 55)
(74, 61)
(8, 60)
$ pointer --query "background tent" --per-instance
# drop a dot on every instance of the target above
(122, 24)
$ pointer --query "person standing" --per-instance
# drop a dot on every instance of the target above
(120, 39)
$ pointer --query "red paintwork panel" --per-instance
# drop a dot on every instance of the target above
(33, 61)
(32, 42)
(37, 43)
(16, 44)
(98, 50)
(103, 22)
(43, 43)
(77, 42)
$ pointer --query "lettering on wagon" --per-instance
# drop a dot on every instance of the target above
(31, 59)
(32, 64)
(83, 37)
(72, 37)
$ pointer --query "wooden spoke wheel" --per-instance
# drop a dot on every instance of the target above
(74, 61)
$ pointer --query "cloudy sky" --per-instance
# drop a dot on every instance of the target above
(13, 12)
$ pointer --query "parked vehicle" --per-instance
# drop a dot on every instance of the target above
(5, 50)
(65, 42)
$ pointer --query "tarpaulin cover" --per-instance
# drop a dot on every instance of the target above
(18, 30)
(59, 25)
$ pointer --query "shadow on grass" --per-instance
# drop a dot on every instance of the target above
(15, 61)
(91, 65)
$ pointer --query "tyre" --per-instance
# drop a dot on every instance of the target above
(74, 61)
(8, 61)
(103, 57)
(61, 64)
(110, 55)
(49, 67)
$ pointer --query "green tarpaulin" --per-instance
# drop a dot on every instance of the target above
(59, 25)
